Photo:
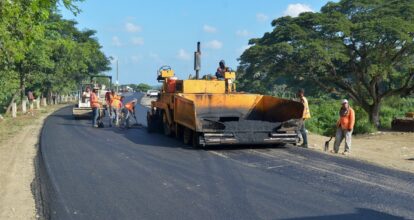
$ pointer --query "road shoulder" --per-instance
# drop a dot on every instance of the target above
(17, 168)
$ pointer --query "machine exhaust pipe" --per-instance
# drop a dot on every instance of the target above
(197, 60)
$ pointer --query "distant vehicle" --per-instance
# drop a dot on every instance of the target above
(83, 108)
(152, 93)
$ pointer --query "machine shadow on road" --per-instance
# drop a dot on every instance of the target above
(141, 137)
(361, 213)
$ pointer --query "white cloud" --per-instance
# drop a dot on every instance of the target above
(209, 29)
(156, 58)
(136, 58)
(183, 55)
(131, 27)
(261, 17)
(295, 9)
(214, 44)
(116, 41)
(242, 33)
(138, 41)
(153, 55)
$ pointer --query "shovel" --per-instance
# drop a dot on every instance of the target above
(327, 144)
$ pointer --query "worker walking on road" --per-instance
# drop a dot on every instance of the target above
(345, 126)
(129, 110)
(31, 98)
(95, 105)
(306, 115)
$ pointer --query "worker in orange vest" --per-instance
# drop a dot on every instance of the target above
(95, 105)
(116, 105)
(129, 109)
(345, 126)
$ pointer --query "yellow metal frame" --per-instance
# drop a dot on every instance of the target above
(167, 73)
(229, 75)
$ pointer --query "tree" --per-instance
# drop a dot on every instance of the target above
(143, 87)
(360, 48)
(43, 52)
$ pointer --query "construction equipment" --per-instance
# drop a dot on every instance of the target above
(211, 112)
(83, 108)
(404, 123)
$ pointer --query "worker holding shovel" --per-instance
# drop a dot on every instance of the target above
(128, 110)
(345, 126)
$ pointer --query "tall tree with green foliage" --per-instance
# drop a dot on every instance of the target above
(363, 49)
(143, 87)
(43, 52)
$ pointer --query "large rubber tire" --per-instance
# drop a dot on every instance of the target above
(166, 127)
(187, 136)
(150, 123)
(196, 139)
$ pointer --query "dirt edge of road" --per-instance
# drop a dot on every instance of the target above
(21, 171)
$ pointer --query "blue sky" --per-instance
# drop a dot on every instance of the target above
(146, 34)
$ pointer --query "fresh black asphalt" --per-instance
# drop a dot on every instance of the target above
(110, 173)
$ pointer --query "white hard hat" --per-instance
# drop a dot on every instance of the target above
(344, 101)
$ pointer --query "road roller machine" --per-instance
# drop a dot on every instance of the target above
(208, 112)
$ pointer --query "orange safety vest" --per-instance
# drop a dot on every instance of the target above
(94, 101)
(130, 106)
(347, 121)
(306, 111)
(116, 102)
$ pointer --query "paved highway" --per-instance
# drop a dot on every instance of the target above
(110, 173)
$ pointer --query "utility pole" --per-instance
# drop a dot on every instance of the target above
(117, 77)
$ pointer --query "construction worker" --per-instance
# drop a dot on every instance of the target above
(95, 105)
(86, 95)
(306, 115)
(345, 126)
(116, 105)
(108, 101)
(31, 98)
(129, 108)
(221, 70)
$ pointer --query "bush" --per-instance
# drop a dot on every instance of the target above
(362, 124)
(394, 107)
(325, 114)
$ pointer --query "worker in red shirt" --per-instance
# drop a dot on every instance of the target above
(128, 110)
(95, 105)
(108, 100)
(345, 126)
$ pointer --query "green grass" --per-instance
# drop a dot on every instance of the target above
(10, 126)
(325, 113)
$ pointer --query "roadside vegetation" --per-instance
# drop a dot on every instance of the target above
(42, 52)
(354, 49)
(12, 126)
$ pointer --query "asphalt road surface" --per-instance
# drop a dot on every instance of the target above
(111, 173)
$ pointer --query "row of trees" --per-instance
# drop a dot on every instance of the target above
(41, 51)
(354, 48)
